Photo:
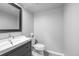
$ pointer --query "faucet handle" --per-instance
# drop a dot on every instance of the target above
(13, 36)
(9, 35)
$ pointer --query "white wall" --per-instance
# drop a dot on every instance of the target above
(71, 27)
(28, 23)
(59, 30)
(48, 29)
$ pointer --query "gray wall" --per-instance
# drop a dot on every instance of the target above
(48, 29)
(71, 27)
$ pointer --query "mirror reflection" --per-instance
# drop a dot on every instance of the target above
(9, 17)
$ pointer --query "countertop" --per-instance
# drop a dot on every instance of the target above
(15, 46)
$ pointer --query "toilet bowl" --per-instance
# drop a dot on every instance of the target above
(37, 46)
(40, 48)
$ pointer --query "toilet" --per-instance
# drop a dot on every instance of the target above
(38, 47)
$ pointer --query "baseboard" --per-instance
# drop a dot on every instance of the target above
(54, 52)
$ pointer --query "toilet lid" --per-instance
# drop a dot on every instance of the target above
(39, 46)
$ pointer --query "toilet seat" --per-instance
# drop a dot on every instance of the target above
(39, 46)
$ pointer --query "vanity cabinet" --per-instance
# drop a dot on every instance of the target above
(23, 50)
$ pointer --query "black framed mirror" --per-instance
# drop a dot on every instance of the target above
(10, 18)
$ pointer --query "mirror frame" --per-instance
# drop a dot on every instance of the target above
(20, 21)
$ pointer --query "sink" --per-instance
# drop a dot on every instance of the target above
(4, 44)
(19, 39)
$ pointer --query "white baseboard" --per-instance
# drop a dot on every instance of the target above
(54, 52)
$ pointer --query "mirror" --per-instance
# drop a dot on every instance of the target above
(10, 17)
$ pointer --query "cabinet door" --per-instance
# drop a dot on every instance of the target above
(22, 50)
(28, 52)
(18, 52)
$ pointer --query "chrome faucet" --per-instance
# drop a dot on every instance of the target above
(10, 38)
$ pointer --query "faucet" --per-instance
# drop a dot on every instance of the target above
(10, 38)
(9, 35)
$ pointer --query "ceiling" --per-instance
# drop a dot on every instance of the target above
(38, 7)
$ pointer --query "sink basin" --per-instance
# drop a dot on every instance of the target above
(19, 39)
(4, 44)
